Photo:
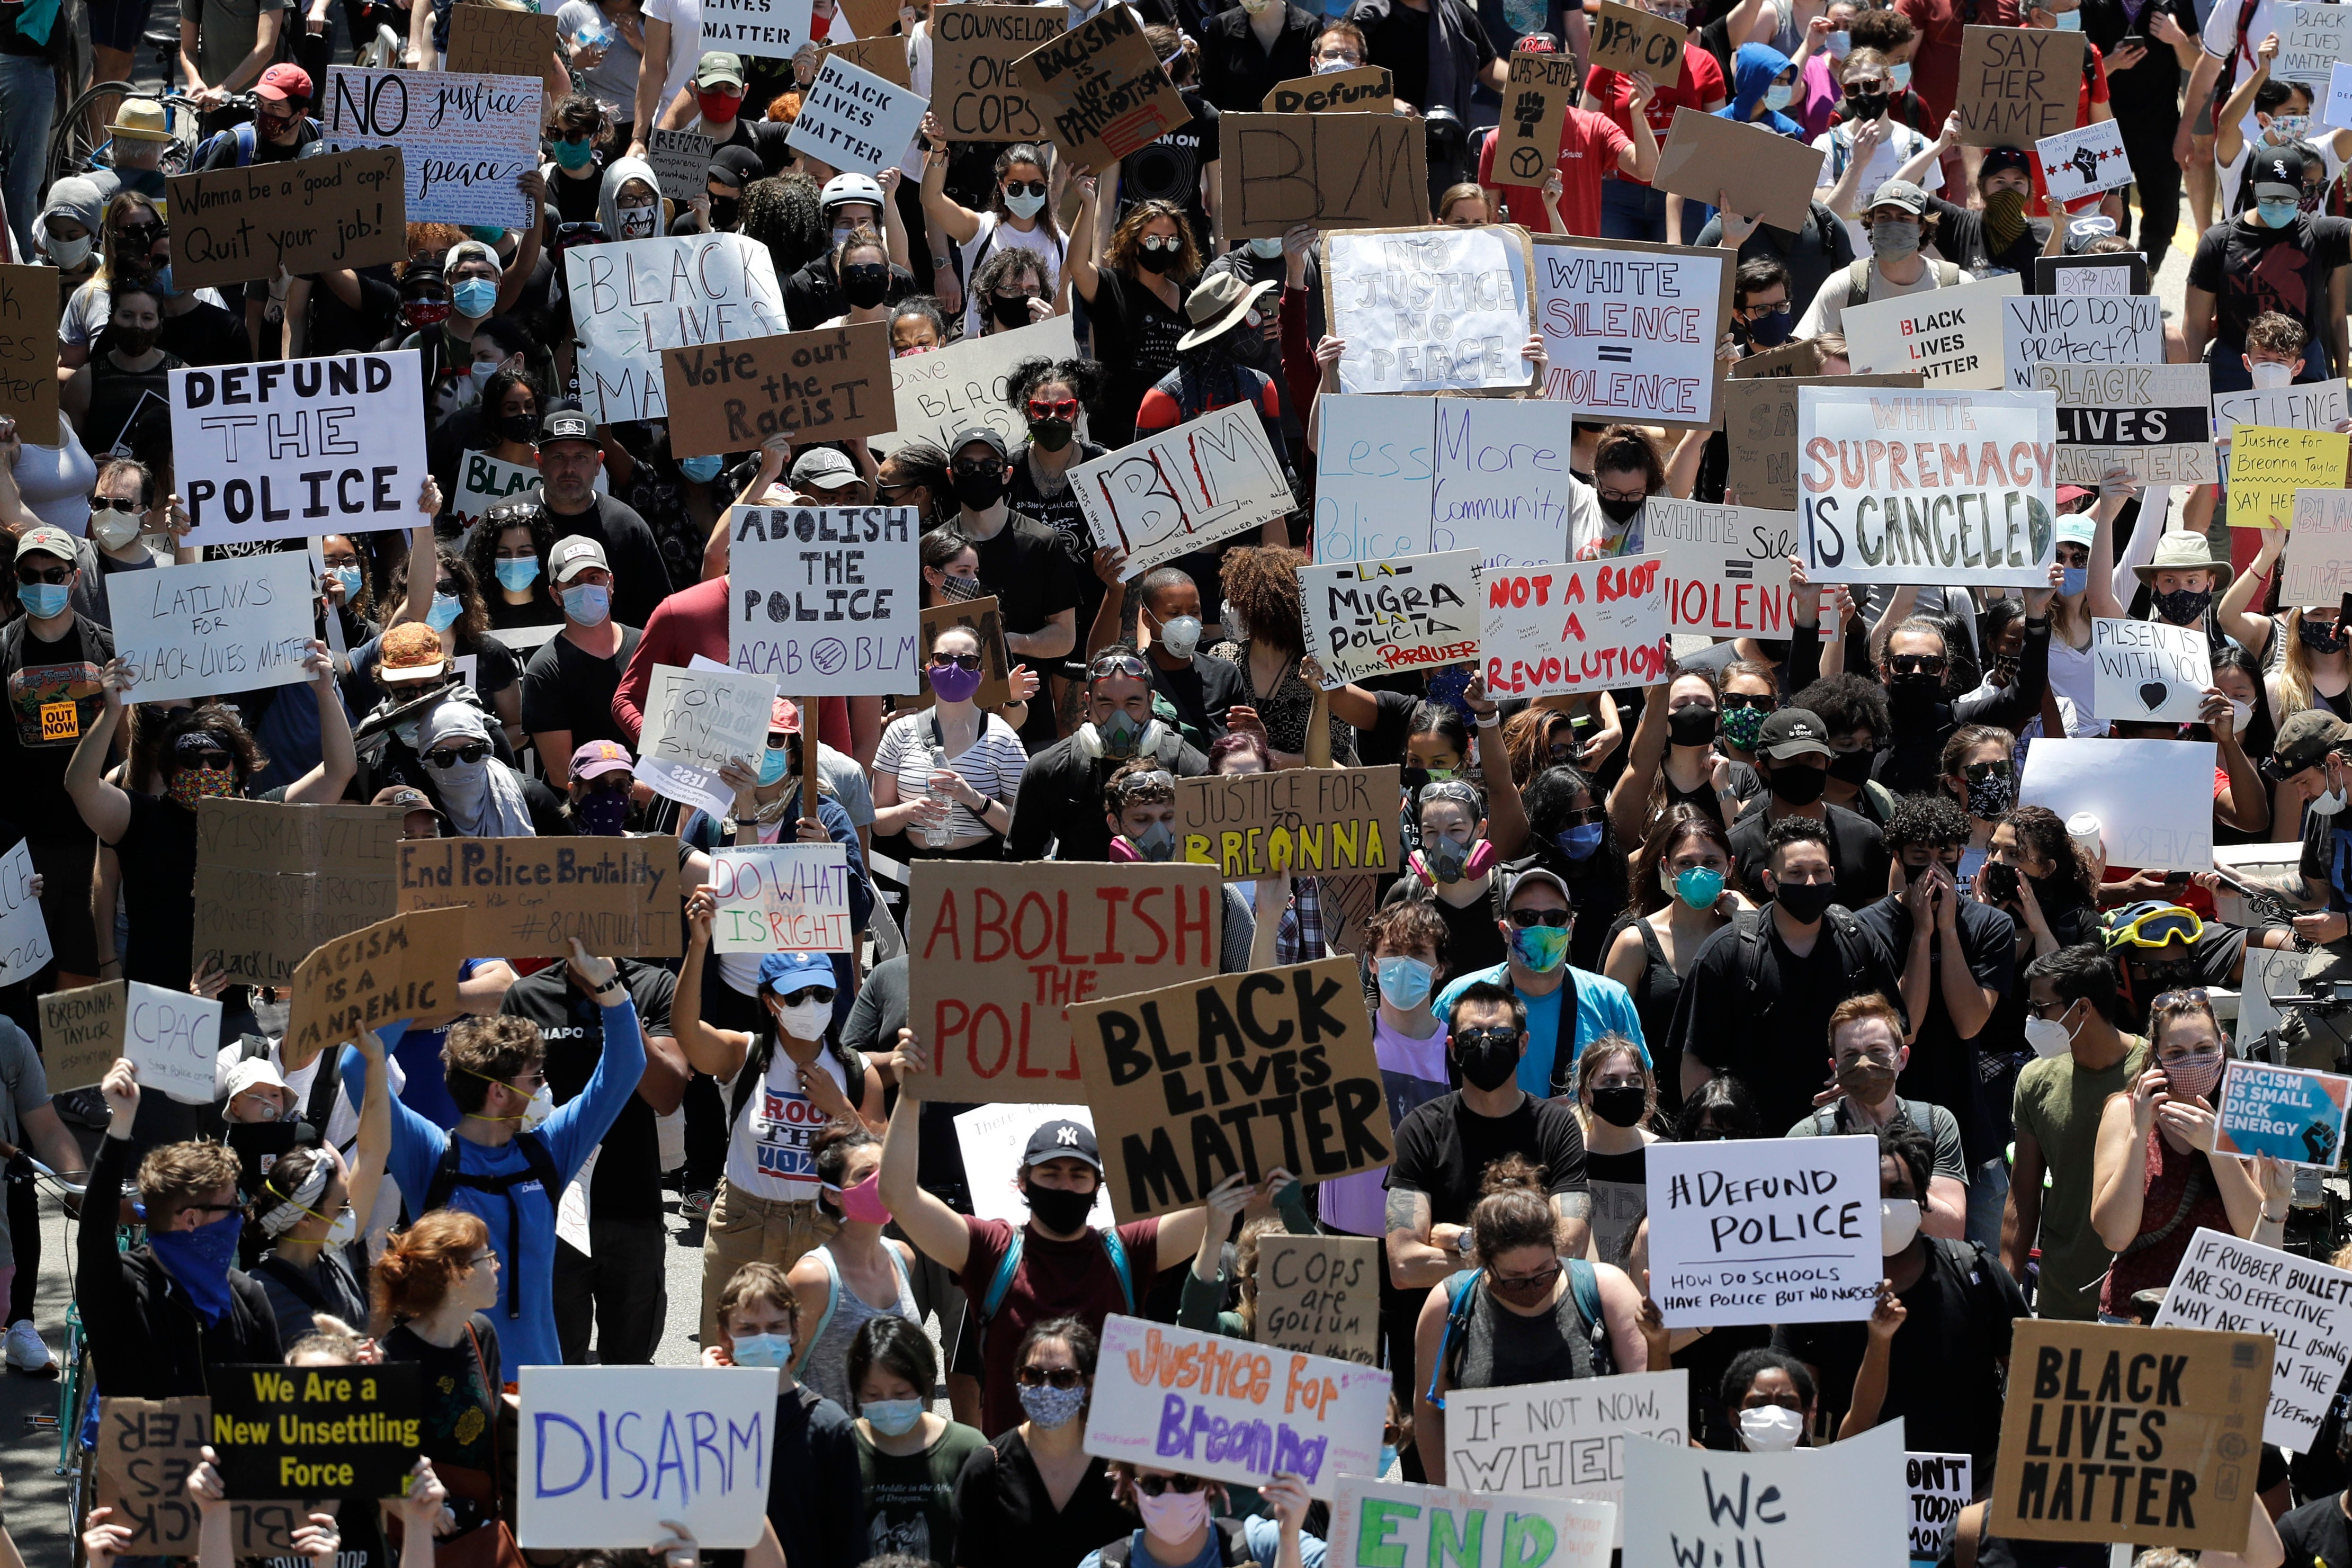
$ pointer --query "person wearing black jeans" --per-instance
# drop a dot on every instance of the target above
(2148, 46)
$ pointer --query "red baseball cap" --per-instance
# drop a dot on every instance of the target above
(284, 82)
(785, 717)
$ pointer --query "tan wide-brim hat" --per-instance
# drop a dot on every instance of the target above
(1218, 305)
(140, 118)
(2181, 550)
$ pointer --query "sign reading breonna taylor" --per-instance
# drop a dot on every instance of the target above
(299, 447)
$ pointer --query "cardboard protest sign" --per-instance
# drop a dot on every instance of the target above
(1562, 1439)
(1628, 38)
(884, 56)
(2146, 671)
(1377, 1522)
(992, 1139)
(996, 952)
(1844, 1503)
(171, 1038)
(2154, 798)
(299, 448)
(2268, 466)
(632, 299)
(1784, 1229)
(826, 385)
(1364, 89)
(306, 216)
(681, 161)
(982, 618)
(2147, 419)
(1204, 1406)
(2305, 1307)
(1320, 1294)
(868, 18)
(1160, 1064)
(1106, 90)
(146, 1449)
(604, 1453)
(2316, 39)
(2290, 1113)
(696, 721)
(2018, 85)
(975, 91)
(330, 1431)
(273, 881)
(944, 394)
(1370, 618)
(401, 967)
(463, 140)
(2125, 272)
(2269, 972)
(1630, 329)
(1727, 567)
(28, 352)
(2075, 329)
(1165, 495)
(532, 896)
(1800, 358)
(2316, 568)
(1768, 176)
(756, 27)
(838, 620)
(1332, 171)
(490, 40)
(1968, 497)
(24, 945)
(1759, 430)
(1940, 1487)
(81, 1034)
(2194, 1401)
(781, 898)
(1537, 97)
(2084, 161)
(858, 122)
(1952, 337)
(1428, 309)
(1307, 821)
(214, 626)
(1583, 626)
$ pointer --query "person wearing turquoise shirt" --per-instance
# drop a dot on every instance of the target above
(1537, 920)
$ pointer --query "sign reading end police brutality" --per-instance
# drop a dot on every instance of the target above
(299, 447)
(1574, 627)
(824, 598)
(1770, 1230)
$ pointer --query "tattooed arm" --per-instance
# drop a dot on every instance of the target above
(1573, 1228)
(1420, 1254)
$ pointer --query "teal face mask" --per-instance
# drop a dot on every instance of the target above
(575, 155)
(518, 575)
(773, 764)
(1541, 949)
(1700, 886)
(447, 608)
(2278, 214)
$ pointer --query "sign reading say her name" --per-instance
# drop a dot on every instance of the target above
(2268, 468)
(1727, 567)
(2305, 1307)
(214, 626)
(609, 1452)
(463, 140)
(975, 91)
(855, 120)
(1561, 1439)
(1579, 627)
(299, 447)
(1376, 1522)
(306, 216)
(766, 29)
(1320, 1294)
(1372, 618)
(2147, 420)
(1183, 489)
(1305, 822)
(824, 598)
(1201, 1405)
(1968, 494)
(1774, 1230)
(1952, 337)
(1630, 329)
(2076, 330)
(2154, 798)
(696, 721)
(1108, 92)
(1844, 1504)
(944, 394)
(2017, 85)
(632, 300)
(1428, 309)
(2146, 671)
(2317, 566)
(781, 898)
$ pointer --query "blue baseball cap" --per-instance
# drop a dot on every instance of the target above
(787, 974)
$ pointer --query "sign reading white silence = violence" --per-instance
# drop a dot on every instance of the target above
(1373, 618)
(234, 625)
(299, 448)
(464, 139)
(1630, 330)
(1727, 567)
(824, 599)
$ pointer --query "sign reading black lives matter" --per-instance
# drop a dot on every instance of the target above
(299, 447)
(769, 29)
(855, 120)
(463, 140)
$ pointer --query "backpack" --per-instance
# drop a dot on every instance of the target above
(1233, 1546)
(1857, 278)
(242, 133)
(1853, 946)
(1010, 1264)
(1583, 1285)
(832, 1286)
(539, 1165)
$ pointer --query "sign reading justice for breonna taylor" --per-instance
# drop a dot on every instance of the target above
(299, 447)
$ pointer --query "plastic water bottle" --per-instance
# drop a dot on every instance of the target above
(938, 835)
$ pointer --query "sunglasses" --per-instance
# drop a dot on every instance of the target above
(1163, 242)
(1054, 1376)
(1480, 1039)
(1065, 408)
(1730, 700)
(1581, 819)
(1025, 187)
(1978, 772)
(956, 661)
(820, 995)
(1526, 1285)
(446, 585)
(1916, 664)
(1158, 779)
(141, 233)
(1152, 1486)
(2193, 997)
(1526, 919)
(203, 758)
(54, 576)
(473, 751)
(115, 504)
(1347, 56)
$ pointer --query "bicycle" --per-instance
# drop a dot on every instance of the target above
(75, 150)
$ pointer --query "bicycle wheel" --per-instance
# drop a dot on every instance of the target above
(71, 146)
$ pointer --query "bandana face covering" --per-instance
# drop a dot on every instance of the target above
(1049, 1406)
(198, 1261)
(1992, 796)
(2004, 217)
(2183, 606)
(1541, 949)
(190, 785)
(1741, 726)
(603, 814)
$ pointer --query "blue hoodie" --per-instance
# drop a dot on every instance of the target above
(1753, 70)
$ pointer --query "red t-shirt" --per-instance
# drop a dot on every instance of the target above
(2094, 90)
(1590, 146)
(1936, 64)
(1056, 1279)
(1699, 84)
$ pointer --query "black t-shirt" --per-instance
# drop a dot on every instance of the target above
(1006, 1519)
(1473, 939)
(2318, 1534)
(340, 328)
(1136, 335)
(1943, 1069)
(1959, 237)
(1201, 693)
(1029, 568)
(158, 852)
(1059, 511)
(1858, 853)
(627, 1181)
(206, 335)
(640, 576)
(1400, 41)
(539, 611)
(2145, 98)
(1443, 1148)
(566, 689)
(1385, 742)
(2249, 267)
(52, 697)
(1170, 169)
(575, 198)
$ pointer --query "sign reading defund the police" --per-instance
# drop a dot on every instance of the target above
(1562, 1439)
(2305, 1307)
(300, 447)
(1896, 485)
(609, 1452)
(824, 598)
(1771, 1231)
(1382, 1524)
(1843, 1506)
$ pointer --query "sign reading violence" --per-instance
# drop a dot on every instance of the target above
(1561, 1439)
(1727, 567)
(299, 447)
(1582, 626)
(824, 599)
(1774, 1230)
(826, 385)
(618, 896)
(1630, 330)
(305, 214)
(1382, 1524)
(1305, 822)
(1426, 310)
(2225, 1283)
(1374, 617)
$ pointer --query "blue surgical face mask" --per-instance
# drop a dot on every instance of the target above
(2072, 580)
(447, 608)
(518, 575)
(483, 369)
(892, 1418)
(1699, 886)
(163, 281)
(1388, 1458)
(1267, 248)
(1777, 96)
(1578, 843)
(349, 576)
(2278, 214)
(42, 600)
(773, 764)
(763, 1349)
(1406, 982)
(474, 297)
(589, 604)
(701, 470)
(2069, 21)
(1899, 76)
(1025, 206)
(1841, 44)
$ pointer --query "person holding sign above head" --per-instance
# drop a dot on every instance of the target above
(1914, 665)
(2313, 669)
(2283, 110)
(1182, 1528)
(1593, 147)
(1867, 144)
(1134, 298)
(2183, 576)
(1019, 217)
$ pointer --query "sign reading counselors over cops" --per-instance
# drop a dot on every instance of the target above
(1727, 567)
(1631, 329)
(1770, 1230)
(975, 91)
(1382, 1524)
(1367, 618)
(299, 447)
(2305, 1307)
(632, 299)
(463, 140)
(1578, 627)
(1428, 309)
(855, 120)
(824, 599)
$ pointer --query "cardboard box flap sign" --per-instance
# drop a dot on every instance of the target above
(1108, 93)
(1766, 174)
(1536, 101)
(829, 384)
(1628, 38)
(1364, 89)
(2018, 85)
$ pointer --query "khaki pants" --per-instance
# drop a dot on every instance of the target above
(743, 1229)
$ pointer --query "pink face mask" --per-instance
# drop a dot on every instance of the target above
(1173, 1515)
(863, 1202)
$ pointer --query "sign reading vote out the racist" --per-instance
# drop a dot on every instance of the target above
(1320, 1294)
(1331, 170)
(2154, 798)
(1844, 1503)
(317, 1431)
(2291, 1113)
(2147, 420)
(1237, 1073)
(1373, 618)
(1108, 92)
(781, 898)
(298, 448)
(2070, 330)
(1952, 337)
(2017, 85)
(1366, 89)
(855, 120)
(826, 385)
(305, 214)
(1183, 489)
(1561, 1439)
(996, 952)
(402, 968)
(1777, 1231)
(463, 140)
(2225, 1283)
(1727, 567)
(823, 598)
(239, 624)
(2317, 566)
(1574, 627)
(1428, 309)
(632, 299)
(1306, 822)
(1384, 1524)
(975, 91)
(618, 896)
(609, 1452)
(2146, 671)
(1630, 330)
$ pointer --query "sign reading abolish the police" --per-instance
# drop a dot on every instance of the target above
(1237, 1073)
(1307, 820)
(300, 447)
(824, 598)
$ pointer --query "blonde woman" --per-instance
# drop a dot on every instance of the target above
(2311, 669)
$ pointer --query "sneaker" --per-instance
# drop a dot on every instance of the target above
(84, 1108)
(28, 1353)
(697, 1203)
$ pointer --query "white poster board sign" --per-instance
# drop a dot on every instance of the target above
(1378, 1522)
(1939, 1489)
(2338, 112)
(825, 600)
(24, 935)
(2225, 1283)
(2270, 972)
(1952, 337)
(299, 447)
(632, 299)
(2084, 161)
(1435, 310)
(855, 120)
(1632, 334)
(2150, 421)
(609, 1452)
(2314, 40)
(1765, 1230)
(463, 140)
(1375, 476)
(2146, 671)
(1573, 627)
(2153, 798)
(1562, 1439)
(1727, 567)
(213, 627)
(947, 391)
(993, 1138)
(1376, 616)
(1416, 475)
(2313, 405)
(770, 30)
(696, 721)
(484, 481)
(1183, 489)
(1844, 1506)
(172, 1039)
(2317, 566)
(2078, 330)
(781, 898)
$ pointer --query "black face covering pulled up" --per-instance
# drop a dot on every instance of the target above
(1058, 1209)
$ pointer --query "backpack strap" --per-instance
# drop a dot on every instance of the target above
(1001, 1282)
(538, 1163)
(749, 1077)
(1116, 1250)
(1461, 1295)
(1857, 281)
(1584, 1288)
(1948, 274)
(832, 1294)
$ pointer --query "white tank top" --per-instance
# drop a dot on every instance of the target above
(768, 1148)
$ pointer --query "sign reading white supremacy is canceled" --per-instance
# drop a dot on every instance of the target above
(825, 600)
(2154, 798)
(1769, 1231)
(299, 447)
(1630, 330)
(1573, 627)
(463, 140)
(2222, 1283)
(632, 299)
(215, 626)
(1561, 1439)
(1433, 310)
(609, 1452)
(1184, 489)
(1375, 617)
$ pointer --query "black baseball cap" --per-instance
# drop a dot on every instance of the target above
(1793, 732)
(982, 433)
(1062, 1139)
(566, 424)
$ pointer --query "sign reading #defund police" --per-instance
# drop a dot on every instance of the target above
(300, 447)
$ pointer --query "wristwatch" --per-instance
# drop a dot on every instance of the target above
(1461, 1241)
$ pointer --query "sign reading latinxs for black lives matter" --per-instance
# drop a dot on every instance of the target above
(463, 140)
(299, 447)
(824, 599)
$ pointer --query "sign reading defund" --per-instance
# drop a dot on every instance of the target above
(1770, 1230)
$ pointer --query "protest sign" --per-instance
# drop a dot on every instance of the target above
(982, 618)
(2314, 40)
(274, 881)
(2124, 272)
(81, 1034)
(463, 140)
(1766, 175)
(1184, 489)
(1417, 476)
(2146, 671)
(835, 621)
(2305, 1307)
(1974, 501)
(1331, 170)
(404, 967)
(2084, 161)
(765, 30)
(1575, 627)
(171, 1038)
(1371, 617)
(1952, 337)
(24, 936)
(1630, 329)
(2149, 420)
(2270, 972)
(992, 1139)
(350, 1431)
(604, 1453)
(490, 40)
(214, 626)
(2017, 85)
(1779, 1231)
(1617, 1207)
(1375, 476)
(2154, 799)
(619, 896)
(28, 352)
(1159, 1067)
(2078, 330)
(299, 448)
(146, 1449)
(856, 122)
(1364, 89)
(1628, 38)
(2317, 566)
(2312, 405)
(826, 385)
(1759, 430)
(634, 299)
(944, 394)
(781, 898)
(884, 56)
(2290, 1113)
(1727, 567)
(1179, 1400)
(1800, 358)
(1106, 93)
(681, 161)
(975, 91)
(1307, 821)
(1428, 309)
(1939, 1489)
(1562, 1439)
(2339, 111)
(2194, 1401)
(2267, 466)
(308, 215)
(996, 952)
(868, 18)
(1320, 1294)
(1377, 1522)
(696, 721)
(483, 482)
(1542, 89)
(1844, 1503)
